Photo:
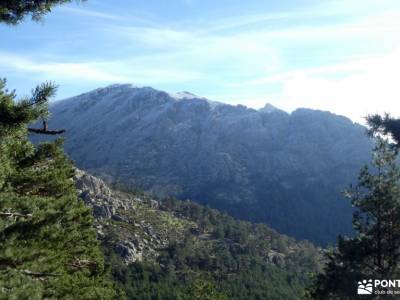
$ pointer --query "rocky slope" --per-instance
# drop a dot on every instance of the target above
(287, 170)
(137, 227)
(175, 243)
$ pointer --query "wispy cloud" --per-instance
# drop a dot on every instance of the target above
(101, 72)
(89, 13)
(58, 70)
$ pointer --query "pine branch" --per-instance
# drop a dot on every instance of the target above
(41, 94)
(10, 214)
(39, 274)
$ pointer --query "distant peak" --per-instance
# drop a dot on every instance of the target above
(112, 88)
(122, 86)
(185, 95)
(269, 108)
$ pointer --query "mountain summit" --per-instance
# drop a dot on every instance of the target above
(286, 170)
(269, 108)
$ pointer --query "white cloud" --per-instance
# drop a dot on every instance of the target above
(374, 89)
(355, 89)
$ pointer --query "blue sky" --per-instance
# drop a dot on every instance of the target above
(342, 56)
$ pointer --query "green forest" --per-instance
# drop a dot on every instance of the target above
(233, 259)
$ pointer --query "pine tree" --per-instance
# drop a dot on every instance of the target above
(48, 244)
(14, 11)
(374, 251)
(385, 125)
(203, 289)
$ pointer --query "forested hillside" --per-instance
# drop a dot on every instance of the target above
(173, 249)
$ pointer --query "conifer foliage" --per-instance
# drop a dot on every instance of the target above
(48, 244)
(374, 251)
(385, 125)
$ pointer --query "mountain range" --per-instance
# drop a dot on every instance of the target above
(287, 170)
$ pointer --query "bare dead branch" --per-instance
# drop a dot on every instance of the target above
(48, 132)
(45, 130)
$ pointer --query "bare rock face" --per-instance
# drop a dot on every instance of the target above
(118, 219)
(129, 251)
(96, 194)
(85, 182)
(276, 258)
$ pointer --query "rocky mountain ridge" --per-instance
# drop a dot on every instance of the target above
(287, 170)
